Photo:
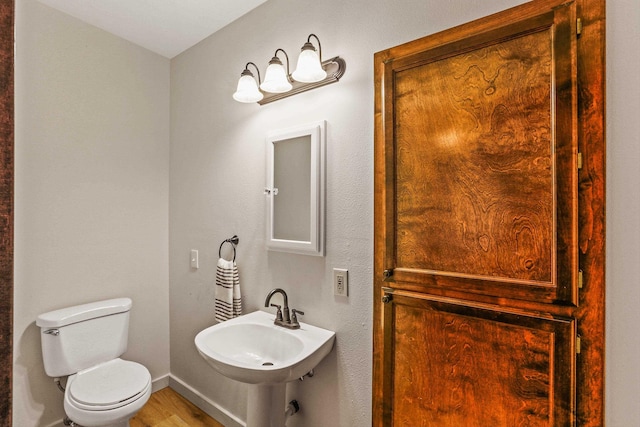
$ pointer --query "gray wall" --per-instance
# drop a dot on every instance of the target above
(87, 203)
(92, 191)
(623, 214)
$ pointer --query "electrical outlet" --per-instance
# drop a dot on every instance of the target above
(341, 282)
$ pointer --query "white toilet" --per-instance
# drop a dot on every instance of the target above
(84, 342)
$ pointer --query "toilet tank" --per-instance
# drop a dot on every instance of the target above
(78, 337)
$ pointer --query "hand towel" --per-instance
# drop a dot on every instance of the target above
(228, 303)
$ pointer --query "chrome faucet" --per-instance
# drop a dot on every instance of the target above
(283, 318)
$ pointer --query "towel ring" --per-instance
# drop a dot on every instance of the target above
(234, 241)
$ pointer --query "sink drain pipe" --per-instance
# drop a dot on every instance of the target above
(308, 374)
(292, 409)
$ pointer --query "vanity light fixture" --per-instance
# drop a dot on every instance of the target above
(309, 69)
(247, 90)
(311, 72)
(276, 79)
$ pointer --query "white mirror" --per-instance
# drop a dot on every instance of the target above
(295, 189)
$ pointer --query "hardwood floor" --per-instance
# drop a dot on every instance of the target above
(166, 408)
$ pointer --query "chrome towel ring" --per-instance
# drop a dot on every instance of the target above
(234, 241)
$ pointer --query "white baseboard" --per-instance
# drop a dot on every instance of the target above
(214, 410)
(160, 383)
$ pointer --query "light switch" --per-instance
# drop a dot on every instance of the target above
(194, 258)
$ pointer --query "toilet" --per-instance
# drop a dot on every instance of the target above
(84, 343)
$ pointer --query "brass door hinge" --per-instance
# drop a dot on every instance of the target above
(387, 295)
(386, 274)
(580, 279)
(578, 344)
(579, 161)
(579, 26)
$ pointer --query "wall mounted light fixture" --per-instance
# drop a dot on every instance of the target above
(311, 72)
(309, 69)
(276, 79)
(247, 90)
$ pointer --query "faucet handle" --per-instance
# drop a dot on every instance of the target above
(279, 312)
(294, 317)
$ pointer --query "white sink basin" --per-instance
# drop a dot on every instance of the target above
(253, 350)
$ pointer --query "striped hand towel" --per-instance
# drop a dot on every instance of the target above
(228, 302)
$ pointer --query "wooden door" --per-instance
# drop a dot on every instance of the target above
(7, 16)
(478, 223)
(460, 364)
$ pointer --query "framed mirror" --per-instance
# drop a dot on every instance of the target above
(295, 189)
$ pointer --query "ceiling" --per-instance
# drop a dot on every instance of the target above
(167, 27)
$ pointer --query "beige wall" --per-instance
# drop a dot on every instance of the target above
(91, 220)
(623, 214)
(92, 176)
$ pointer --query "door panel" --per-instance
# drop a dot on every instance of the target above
(479, 302)
(482, 152)
(456, 364)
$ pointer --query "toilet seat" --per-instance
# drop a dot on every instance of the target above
(110, 385)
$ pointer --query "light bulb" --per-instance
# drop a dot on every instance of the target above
(276, 79)
(309, 69)
(247, 90)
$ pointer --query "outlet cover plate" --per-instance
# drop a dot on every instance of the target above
(341, 282)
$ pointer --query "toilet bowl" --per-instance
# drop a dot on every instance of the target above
(108, 394)
(85, 343)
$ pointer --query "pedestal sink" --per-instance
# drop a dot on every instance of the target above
(252, 350)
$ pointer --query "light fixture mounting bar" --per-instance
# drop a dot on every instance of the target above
(334, 67)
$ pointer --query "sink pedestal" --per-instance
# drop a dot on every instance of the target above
(266, 405)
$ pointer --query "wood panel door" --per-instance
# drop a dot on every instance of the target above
(460, 364)
(482, 179)
(479, 260)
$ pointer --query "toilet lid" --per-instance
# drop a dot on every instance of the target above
(110, 384)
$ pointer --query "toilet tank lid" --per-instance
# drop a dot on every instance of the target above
(79, 313)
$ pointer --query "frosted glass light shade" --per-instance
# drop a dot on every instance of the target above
(247, 90)
(276, 79)
(309, 69)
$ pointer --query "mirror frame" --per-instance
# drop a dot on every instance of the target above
(315, 246)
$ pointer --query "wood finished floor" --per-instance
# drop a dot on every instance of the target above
(166, 408)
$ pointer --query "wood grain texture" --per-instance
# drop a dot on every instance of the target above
(166, 408)
(475, 195)
(483, 150)
(580, 223)
(6, 207)
(456, 365)
(591, 134)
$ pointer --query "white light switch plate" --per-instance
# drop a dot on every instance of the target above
(194, 258)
